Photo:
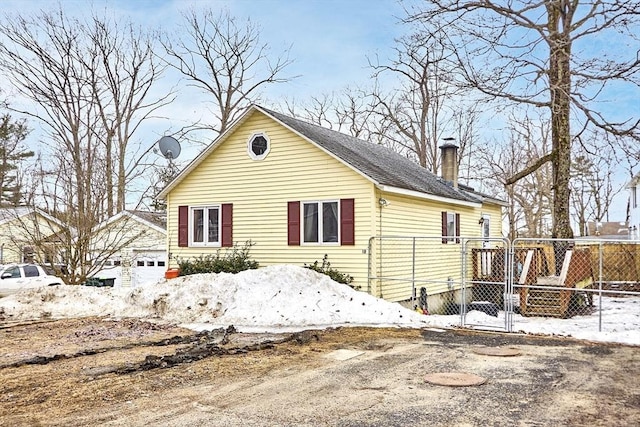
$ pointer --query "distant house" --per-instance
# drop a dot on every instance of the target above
(634, 204)
(299, 191)
(132, 245)
(608, 229)
(30, 235)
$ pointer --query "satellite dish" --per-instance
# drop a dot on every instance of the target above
(169, 147)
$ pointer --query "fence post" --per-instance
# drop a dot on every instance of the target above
(369, 264)
(463, 287)
(413, 273)
(600, 266)
(509, 285)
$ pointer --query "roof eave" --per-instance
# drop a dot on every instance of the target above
(634, 181)
(315, 144)
(130, 215)
(425, 196)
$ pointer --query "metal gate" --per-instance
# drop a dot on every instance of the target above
(454, 274)
(487, 298)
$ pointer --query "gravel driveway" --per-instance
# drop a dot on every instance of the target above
(133, 373)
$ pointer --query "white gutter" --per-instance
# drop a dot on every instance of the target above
(419, 195)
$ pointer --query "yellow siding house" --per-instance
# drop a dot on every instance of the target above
(298, 191)
(29, 235)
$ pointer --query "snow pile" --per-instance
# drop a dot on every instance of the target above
(620, 319)
(290, 298)
(273, 297)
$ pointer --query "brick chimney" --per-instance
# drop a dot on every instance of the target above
(449, 156)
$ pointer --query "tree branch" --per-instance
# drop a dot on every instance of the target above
(530, 169)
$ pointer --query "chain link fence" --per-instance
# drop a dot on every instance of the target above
(568, 278)
(507, 282)
(413, 269)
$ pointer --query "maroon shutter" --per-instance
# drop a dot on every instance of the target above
(227, 224)
(347, 222)
(444, 227)
(183, 226)
(458, 228)
(293, 223)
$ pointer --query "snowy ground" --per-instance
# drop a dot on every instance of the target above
(289, 298)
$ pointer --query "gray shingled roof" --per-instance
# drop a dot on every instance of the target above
(157, 218)
(378, 162)
(8, 214)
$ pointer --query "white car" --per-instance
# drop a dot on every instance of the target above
(16, 277)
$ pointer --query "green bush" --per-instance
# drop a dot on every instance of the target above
(233, 260)
(325, 268)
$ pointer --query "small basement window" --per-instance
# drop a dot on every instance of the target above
(258, 146)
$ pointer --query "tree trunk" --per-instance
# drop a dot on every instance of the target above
(560, 86)
(109, 174)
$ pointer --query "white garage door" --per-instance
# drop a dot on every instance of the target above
(148, 267)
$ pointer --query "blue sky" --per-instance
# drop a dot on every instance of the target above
(329, 41)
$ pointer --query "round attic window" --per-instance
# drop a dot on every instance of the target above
(258, 146)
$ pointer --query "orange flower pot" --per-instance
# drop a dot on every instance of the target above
(171, 273)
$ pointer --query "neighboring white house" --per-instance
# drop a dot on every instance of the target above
(30, 235)
(634, 217)
(138, 243)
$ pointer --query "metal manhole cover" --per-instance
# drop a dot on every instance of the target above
(497, 351)
(455, 379)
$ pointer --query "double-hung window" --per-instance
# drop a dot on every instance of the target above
(450, 227)
(326, 222)
(205, 226)
(210, 225)
(320, 222)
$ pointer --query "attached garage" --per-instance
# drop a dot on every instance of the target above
(143, 258)
(148, 266)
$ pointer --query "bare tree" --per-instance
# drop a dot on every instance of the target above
(530, 198)
(162, 176)
(318, 109)
(425, 99)
(123, 69)
(45, 239)
(593, 180)
(41, 58)
(465, 132)
(89, 109)
(350, 111)
(529, 53)
(225, 58)
(91, 84)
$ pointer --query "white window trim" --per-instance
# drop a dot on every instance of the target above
(250, 152)
(320, 224)
(205, 230)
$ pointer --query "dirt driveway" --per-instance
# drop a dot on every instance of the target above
(133, 373)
